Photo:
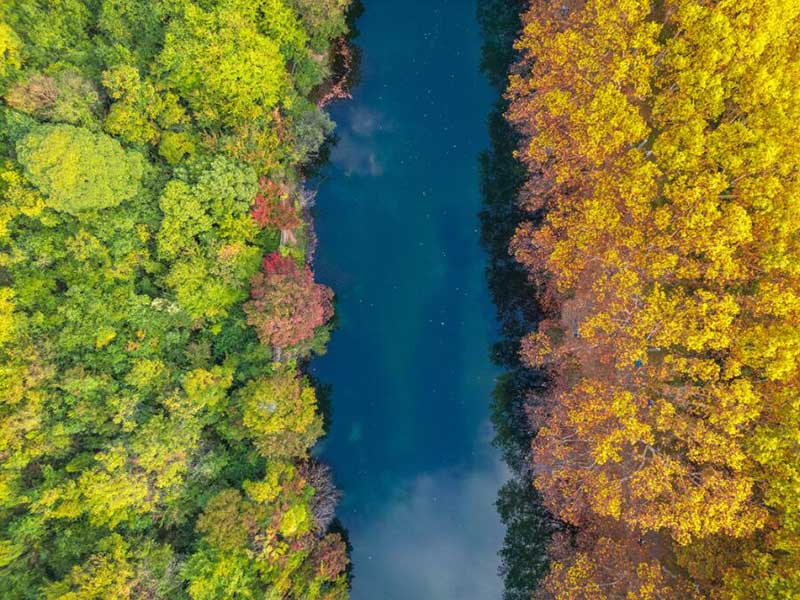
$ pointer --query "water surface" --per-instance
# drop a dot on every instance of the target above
(399, 242)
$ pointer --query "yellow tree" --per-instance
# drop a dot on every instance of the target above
(661, 140)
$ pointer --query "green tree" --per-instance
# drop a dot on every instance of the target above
(219, 62)
(64, 98)
(280, 415)
(132, 389)
(78, 170)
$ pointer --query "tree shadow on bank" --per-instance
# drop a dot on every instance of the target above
(528, 524)
(346, 74)
(313, 173)
(346, 69)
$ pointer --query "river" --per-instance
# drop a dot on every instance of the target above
(409, 368)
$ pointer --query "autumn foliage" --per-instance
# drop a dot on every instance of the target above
(661, 144)
(286, 305)
(272, 207)
(151, 447)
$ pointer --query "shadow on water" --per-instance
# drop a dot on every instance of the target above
(396, 217)
(528, 524)
(347, 69)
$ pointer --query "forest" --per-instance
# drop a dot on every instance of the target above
(661, 196)
(159, 307)
(156, 300)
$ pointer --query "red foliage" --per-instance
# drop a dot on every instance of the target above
(287, 306)
(278, 264)
(272, 207)
(330, 556)
(343, 66)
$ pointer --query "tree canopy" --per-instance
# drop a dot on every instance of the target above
(151, 446)
(660, 142)
(78, 170)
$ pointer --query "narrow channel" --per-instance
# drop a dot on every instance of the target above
(409, 369)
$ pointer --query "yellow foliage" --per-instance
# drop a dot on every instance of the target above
(662, 141)
(105, 335)
(106, 574)
(6, 315)
(10, 46)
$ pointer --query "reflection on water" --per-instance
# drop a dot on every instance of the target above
(399, 240)
(436, 537)
(528, 524)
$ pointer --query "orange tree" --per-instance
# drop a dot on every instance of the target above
(661, 143)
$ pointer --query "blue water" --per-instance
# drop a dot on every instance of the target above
(398, 231)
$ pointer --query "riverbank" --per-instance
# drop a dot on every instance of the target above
(528, 524)
(156, 301)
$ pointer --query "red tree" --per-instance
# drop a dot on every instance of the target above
(330, 557)
(287, 306)
(273, 208)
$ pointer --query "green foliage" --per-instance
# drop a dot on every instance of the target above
(150, 447)
(78, 170)
(65, 98)
(51, 31)
(219, 62)
(206, 233)
(140, 114)
(136, 25)
(323, 19)
(13, 126)
(280, 414)
(311, 128)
